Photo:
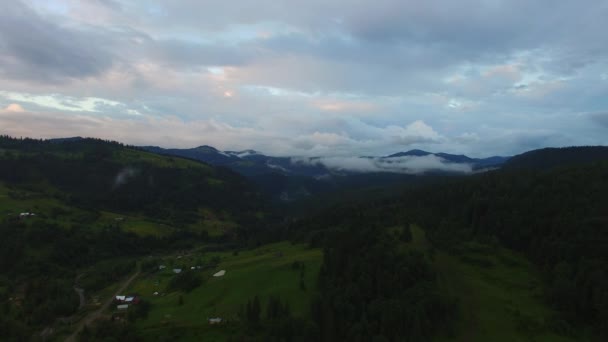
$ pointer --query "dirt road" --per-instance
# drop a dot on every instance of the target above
(96, 314)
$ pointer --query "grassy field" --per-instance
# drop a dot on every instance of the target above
(499, 293)
(54, 210)
(264, 271)
(15, 201)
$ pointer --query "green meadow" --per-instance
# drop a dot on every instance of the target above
(17, 200)
(499, 293)
(263, 271)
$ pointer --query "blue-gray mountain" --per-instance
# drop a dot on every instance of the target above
(294, 177)
(251, 163)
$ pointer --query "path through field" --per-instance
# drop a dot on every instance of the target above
(96, 314)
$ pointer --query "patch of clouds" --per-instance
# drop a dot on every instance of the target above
(405, 165)
(466, 137)
(62, 103)
(14, 108)
(36, 48)
(330, 78)
(123, 176)
(600, 118)
(418, 132)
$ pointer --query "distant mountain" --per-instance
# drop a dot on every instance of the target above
(291, 178)
(105, 175)
(70, 139)
(410, 153)
(204, 153)
(248, 162)
(476, 163)
(548, 158)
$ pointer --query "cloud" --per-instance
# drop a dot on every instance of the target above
(405, 165)
(38, 49)
(601, 118)
(14, 108)
(309, 77)
(417, 132)
(124, 176)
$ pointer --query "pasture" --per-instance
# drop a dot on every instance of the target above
(264, 271)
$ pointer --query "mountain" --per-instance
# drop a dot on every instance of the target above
(107, 175)
(414, 153)
(476, 163)
(548, 158)
(203, 153)
(289, 178)
(252, 163)
(80, 215)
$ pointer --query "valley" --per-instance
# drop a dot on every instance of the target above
(210, 257)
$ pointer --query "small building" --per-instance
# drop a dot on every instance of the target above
(122, 306)
(127, 299)
(132, 300)
(220, 273)
(156, 293)
(162, 267)
(215, 320)
(26, 215)
(177, 270)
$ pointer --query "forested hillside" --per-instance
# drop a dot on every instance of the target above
(106, 175)
(557, 218)
(81, 212)
(548, 158)
(513, 254)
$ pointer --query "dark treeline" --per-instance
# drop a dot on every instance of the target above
(559, 218)
(371, 290)
(548, 158)
(93, 174)
(272, 321)
(369, 287)
(40, 263)
(41, 257)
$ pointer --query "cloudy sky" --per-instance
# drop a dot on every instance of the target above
(310, 77)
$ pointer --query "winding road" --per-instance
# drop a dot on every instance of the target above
(97, 313)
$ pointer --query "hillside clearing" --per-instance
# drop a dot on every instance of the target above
(499, 293)
(264, 271)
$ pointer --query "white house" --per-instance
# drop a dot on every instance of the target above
(220, 273)
(177, 270)
(215, 320)
(162, 267)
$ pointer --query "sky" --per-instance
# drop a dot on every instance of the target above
(331, 78)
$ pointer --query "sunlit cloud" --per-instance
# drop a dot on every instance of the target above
(320, 77)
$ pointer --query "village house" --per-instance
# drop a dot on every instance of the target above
(215, 320)
(127, 299)
(220, 273)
